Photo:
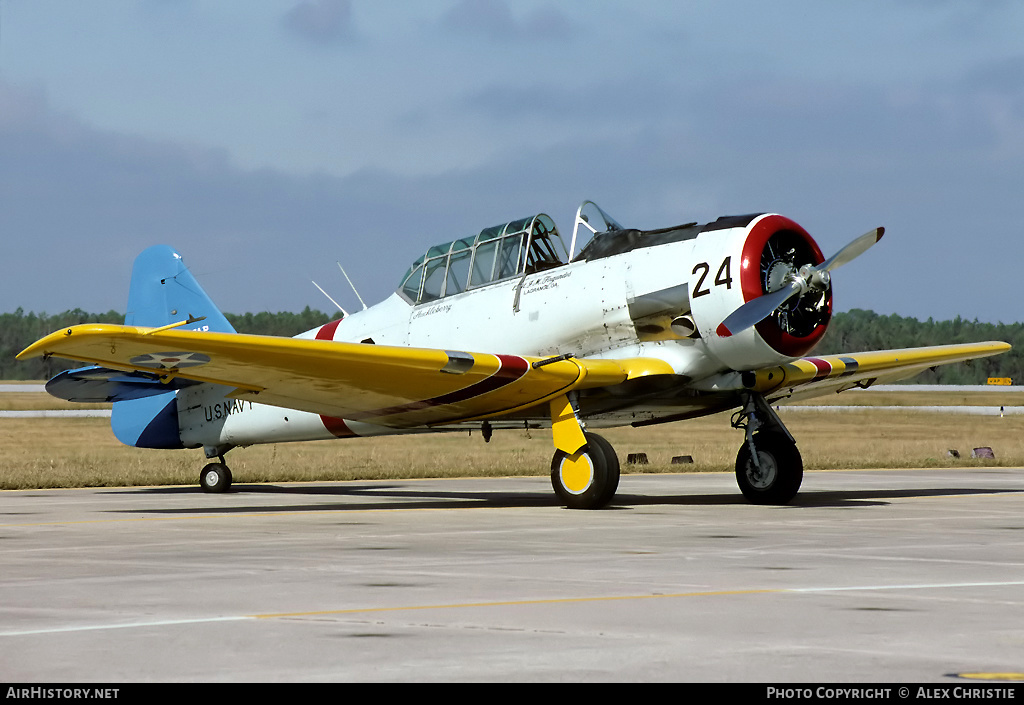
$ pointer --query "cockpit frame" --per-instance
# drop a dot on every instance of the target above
(497, 253)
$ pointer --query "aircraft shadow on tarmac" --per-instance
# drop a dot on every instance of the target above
(398, 496)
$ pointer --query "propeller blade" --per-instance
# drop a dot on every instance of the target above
(852, 251)
(809, 278)
(756, 310)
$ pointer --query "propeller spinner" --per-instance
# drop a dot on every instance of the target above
(796, 282)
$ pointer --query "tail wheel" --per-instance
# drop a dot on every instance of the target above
(776, 477)
(588, 478)
(215, 477)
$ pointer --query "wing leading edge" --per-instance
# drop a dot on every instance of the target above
(815, 376)
(393, 386)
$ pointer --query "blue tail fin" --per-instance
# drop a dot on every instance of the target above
(162, 291)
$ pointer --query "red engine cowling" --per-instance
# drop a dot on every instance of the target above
(734, 265)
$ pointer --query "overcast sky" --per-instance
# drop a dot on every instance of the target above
(268, 140)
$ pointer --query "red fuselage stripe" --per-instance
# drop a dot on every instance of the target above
(327, 330)
(336, 426)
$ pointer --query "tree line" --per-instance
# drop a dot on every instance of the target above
(852, 331)
(859, 330)
(18, 330)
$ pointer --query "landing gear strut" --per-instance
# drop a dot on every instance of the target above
(769, 468)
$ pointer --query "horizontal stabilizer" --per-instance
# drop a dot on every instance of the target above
(100, 384)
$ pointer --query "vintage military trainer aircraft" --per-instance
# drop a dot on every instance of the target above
(505, 329)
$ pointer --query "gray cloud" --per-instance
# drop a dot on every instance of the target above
(321, 21)
(494, 20)
(931, 162)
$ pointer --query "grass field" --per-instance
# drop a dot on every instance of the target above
(57, 452)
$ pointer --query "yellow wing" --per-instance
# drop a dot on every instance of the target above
(393, 386)
(405, 387)
(815, 376)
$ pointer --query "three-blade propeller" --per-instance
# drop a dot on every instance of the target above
(807, 278)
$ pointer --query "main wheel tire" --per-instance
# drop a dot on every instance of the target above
(612, 458)
(588, 478)
(215, 477)
(781, 470)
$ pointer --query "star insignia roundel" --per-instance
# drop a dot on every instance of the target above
(170, 360)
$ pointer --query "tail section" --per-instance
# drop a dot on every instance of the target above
(162, 291)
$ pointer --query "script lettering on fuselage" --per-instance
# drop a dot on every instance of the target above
(548, 281)
(225, 409)
(439, 308)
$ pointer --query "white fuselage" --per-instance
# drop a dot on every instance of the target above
(581, 308)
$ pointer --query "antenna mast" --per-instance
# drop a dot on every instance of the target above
(343, 311)
(352, 285)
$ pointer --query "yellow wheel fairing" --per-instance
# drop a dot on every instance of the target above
(577, 472)
(565, 427)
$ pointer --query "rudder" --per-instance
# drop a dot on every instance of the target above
(163, 291)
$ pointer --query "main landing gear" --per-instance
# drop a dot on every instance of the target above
(215, 477)
(769, 468)
(585, 468)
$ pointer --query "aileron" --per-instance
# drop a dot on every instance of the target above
(852, 368)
